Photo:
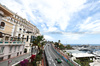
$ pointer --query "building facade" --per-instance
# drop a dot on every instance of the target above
(16, 34)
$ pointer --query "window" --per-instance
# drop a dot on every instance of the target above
(27, 38)
(18, 48)
(11, 19)
(2, 25)
(32, 38)
(15, 16)
(15, 48)
(20, 53)
(2, 49)
(0, 34)
(20, 29)
(23, 48)
(1, 58)
(10, 48)
(14, 20)
(23, 30)
(17, 53)
(9, 56)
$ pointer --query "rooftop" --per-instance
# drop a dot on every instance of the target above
(78, 54)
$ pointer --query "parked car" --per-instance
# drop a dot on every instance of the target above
(58, 60)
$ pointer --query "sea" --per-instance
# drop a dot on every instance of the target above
(82, 44)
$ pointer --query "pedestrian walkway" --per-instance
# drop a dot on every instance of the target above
(43, 60)
(14, 60)
(62, 54)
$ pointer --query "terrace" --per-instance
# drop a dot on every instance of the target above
(12, 43)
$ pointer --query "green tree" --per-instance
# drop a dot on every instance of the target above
(68, 46)
(56, 45)
(61, 46)
(58, 41)
(37, 42)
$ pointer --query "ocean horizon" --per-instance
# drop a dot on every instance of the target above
(83, 44)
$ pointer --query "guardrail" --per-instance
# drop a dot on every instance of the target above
(12, 42)
(72, 61)
(63, 58)
(20, 61)
(46, 59)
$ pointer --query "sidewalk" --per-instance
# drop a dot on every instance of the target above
(14, 60)
(62, 54)
(43, 60)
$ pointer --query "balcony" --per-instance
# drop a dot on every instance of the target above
(12, 43)
(5, 19)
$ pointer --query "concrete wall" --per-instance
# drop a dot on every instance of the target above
(13, 53)
(8, 27)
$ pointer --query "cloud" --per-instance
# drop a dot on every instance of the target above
(72, 19)
(48, 37)
(51, 12)
(66, 35)
(71, 33)
(90, 25)
(73, 36)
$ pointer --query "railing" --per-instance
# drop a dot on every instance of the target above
(72, 61)
(15, 64)
(7, 20)
(63, 57)
(69, 61)
(12, 42)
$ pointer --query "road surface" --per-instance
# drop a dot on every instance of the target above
(14, 60)
(51, 55)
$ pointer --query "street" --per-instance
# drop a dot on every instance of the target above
(14, 60)
(51, 55)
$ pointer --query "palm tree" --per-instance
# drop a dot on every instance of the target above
(37, 42)
(58, 41)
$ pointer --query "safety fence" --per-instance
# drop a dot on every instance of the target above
(46, 59)
(63, 57)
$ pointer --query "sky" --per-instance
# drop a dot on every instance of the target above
(70, 21)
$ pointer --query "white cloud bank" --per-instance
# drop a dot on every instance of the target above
(54, 15)
(53, 12)
(48, 37)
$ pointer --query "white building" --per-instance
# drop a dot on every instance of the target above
(16, 34)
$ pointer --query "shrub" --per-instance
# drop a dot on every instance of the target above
(34, 63)
(32, 58)
(24, 62)
(38, 57)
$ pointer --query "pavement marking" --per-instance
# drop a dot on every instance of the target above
(62, 60)
(62, 65)
(54, 64)
(52, 60)
(51, 57)
(56, 57)
(49, 62)
(45, 46)
(53, 53)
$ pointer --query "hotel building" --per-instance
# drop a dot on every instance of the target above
(16, 34)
